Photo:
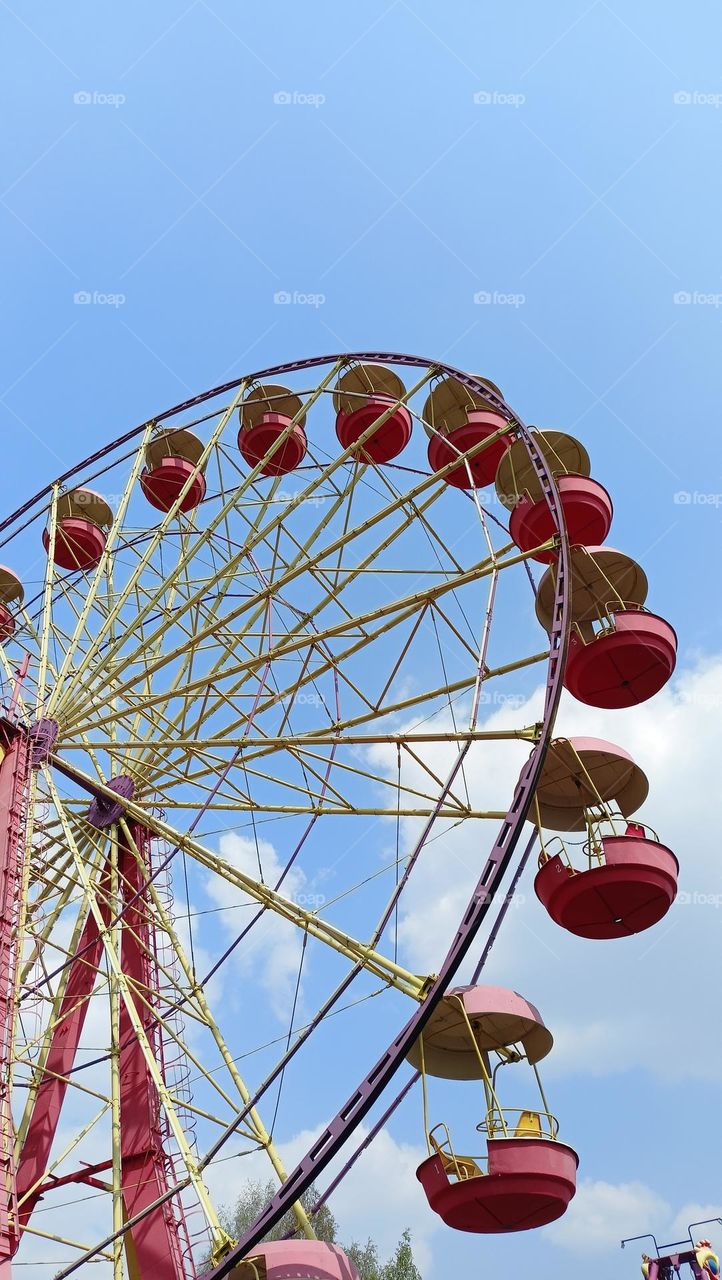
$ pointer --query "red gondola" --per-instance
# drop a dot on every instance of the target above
(628, 887)
(619, 653)
(83, 519)
(587, 511)
(172, 459)
(622, 882)
(627, 662)
(529, 1182)
(11, 598)
(364, 394)
(530, 1176)
(296, 1260)
(459, 419)
(587, 505)
(272, 435)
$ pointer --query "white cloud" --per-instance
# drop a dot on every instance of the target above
(609, 1003)
(379, 1198)
(382, 1196)
(603, 1213)
(272, 949)
(698, 1213)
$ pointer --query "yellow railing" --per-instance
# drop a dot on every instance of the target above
(592, 849)
(604, 622)
(515, 1122)
(462, 1167)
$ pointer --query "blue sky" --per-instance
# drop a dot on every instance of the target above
(529, 192)
(197, 197)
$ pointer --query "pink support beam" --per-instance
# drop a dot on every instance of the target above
(156, 1241)
(154, 1246)
(14, 775)
(35, 1154)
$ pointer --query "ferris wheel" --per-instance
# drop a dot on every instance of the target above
(256, 660)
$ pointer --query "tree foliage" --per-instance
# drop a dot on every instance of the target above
(400, 1267)
(255, 1196)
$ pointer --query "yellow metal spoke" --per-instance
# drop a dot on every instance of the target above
(260, 1132)
(307, 921)
(220, 1238)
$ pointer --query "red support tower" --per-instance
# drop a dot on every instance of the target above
(14, 777)
(158, 1246)
(45, 1117)
(156, 1243)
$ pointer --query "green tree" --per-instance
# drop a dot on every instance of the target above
(255, 1197)
(402, 1265)
(365, 1258)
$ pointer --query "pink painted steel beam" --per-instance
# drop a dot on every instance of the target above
(35, 1154)
(154, 1245)
(14, 775)
(156, 1241)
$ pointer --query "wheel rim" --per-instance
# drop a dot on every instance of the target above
(137, 659)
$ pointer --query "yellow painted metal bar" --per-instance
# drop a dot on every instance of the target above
(411, 984)
(406, 704)
(82, 1088)
(74, 1142)
(486, 1078)
(100, 572)
(301, 563)
(219, 1236)
(261, 1133)
(394, 613)
(329, 737)
(156, 538)
(70, 1244)
(115, 1117)
(47, 600)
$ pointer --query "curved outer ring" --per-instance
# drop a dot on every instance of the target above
(372, 1086)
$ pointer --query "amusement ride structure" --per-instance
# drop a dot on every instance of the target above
(245, 653)
(670, 1259)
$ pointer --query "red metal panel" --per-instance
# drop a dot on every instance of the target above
(155, 1245)
(156, 1239)
(529, 1184)
(631, 890)
(14, 773)
(35, 1154)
